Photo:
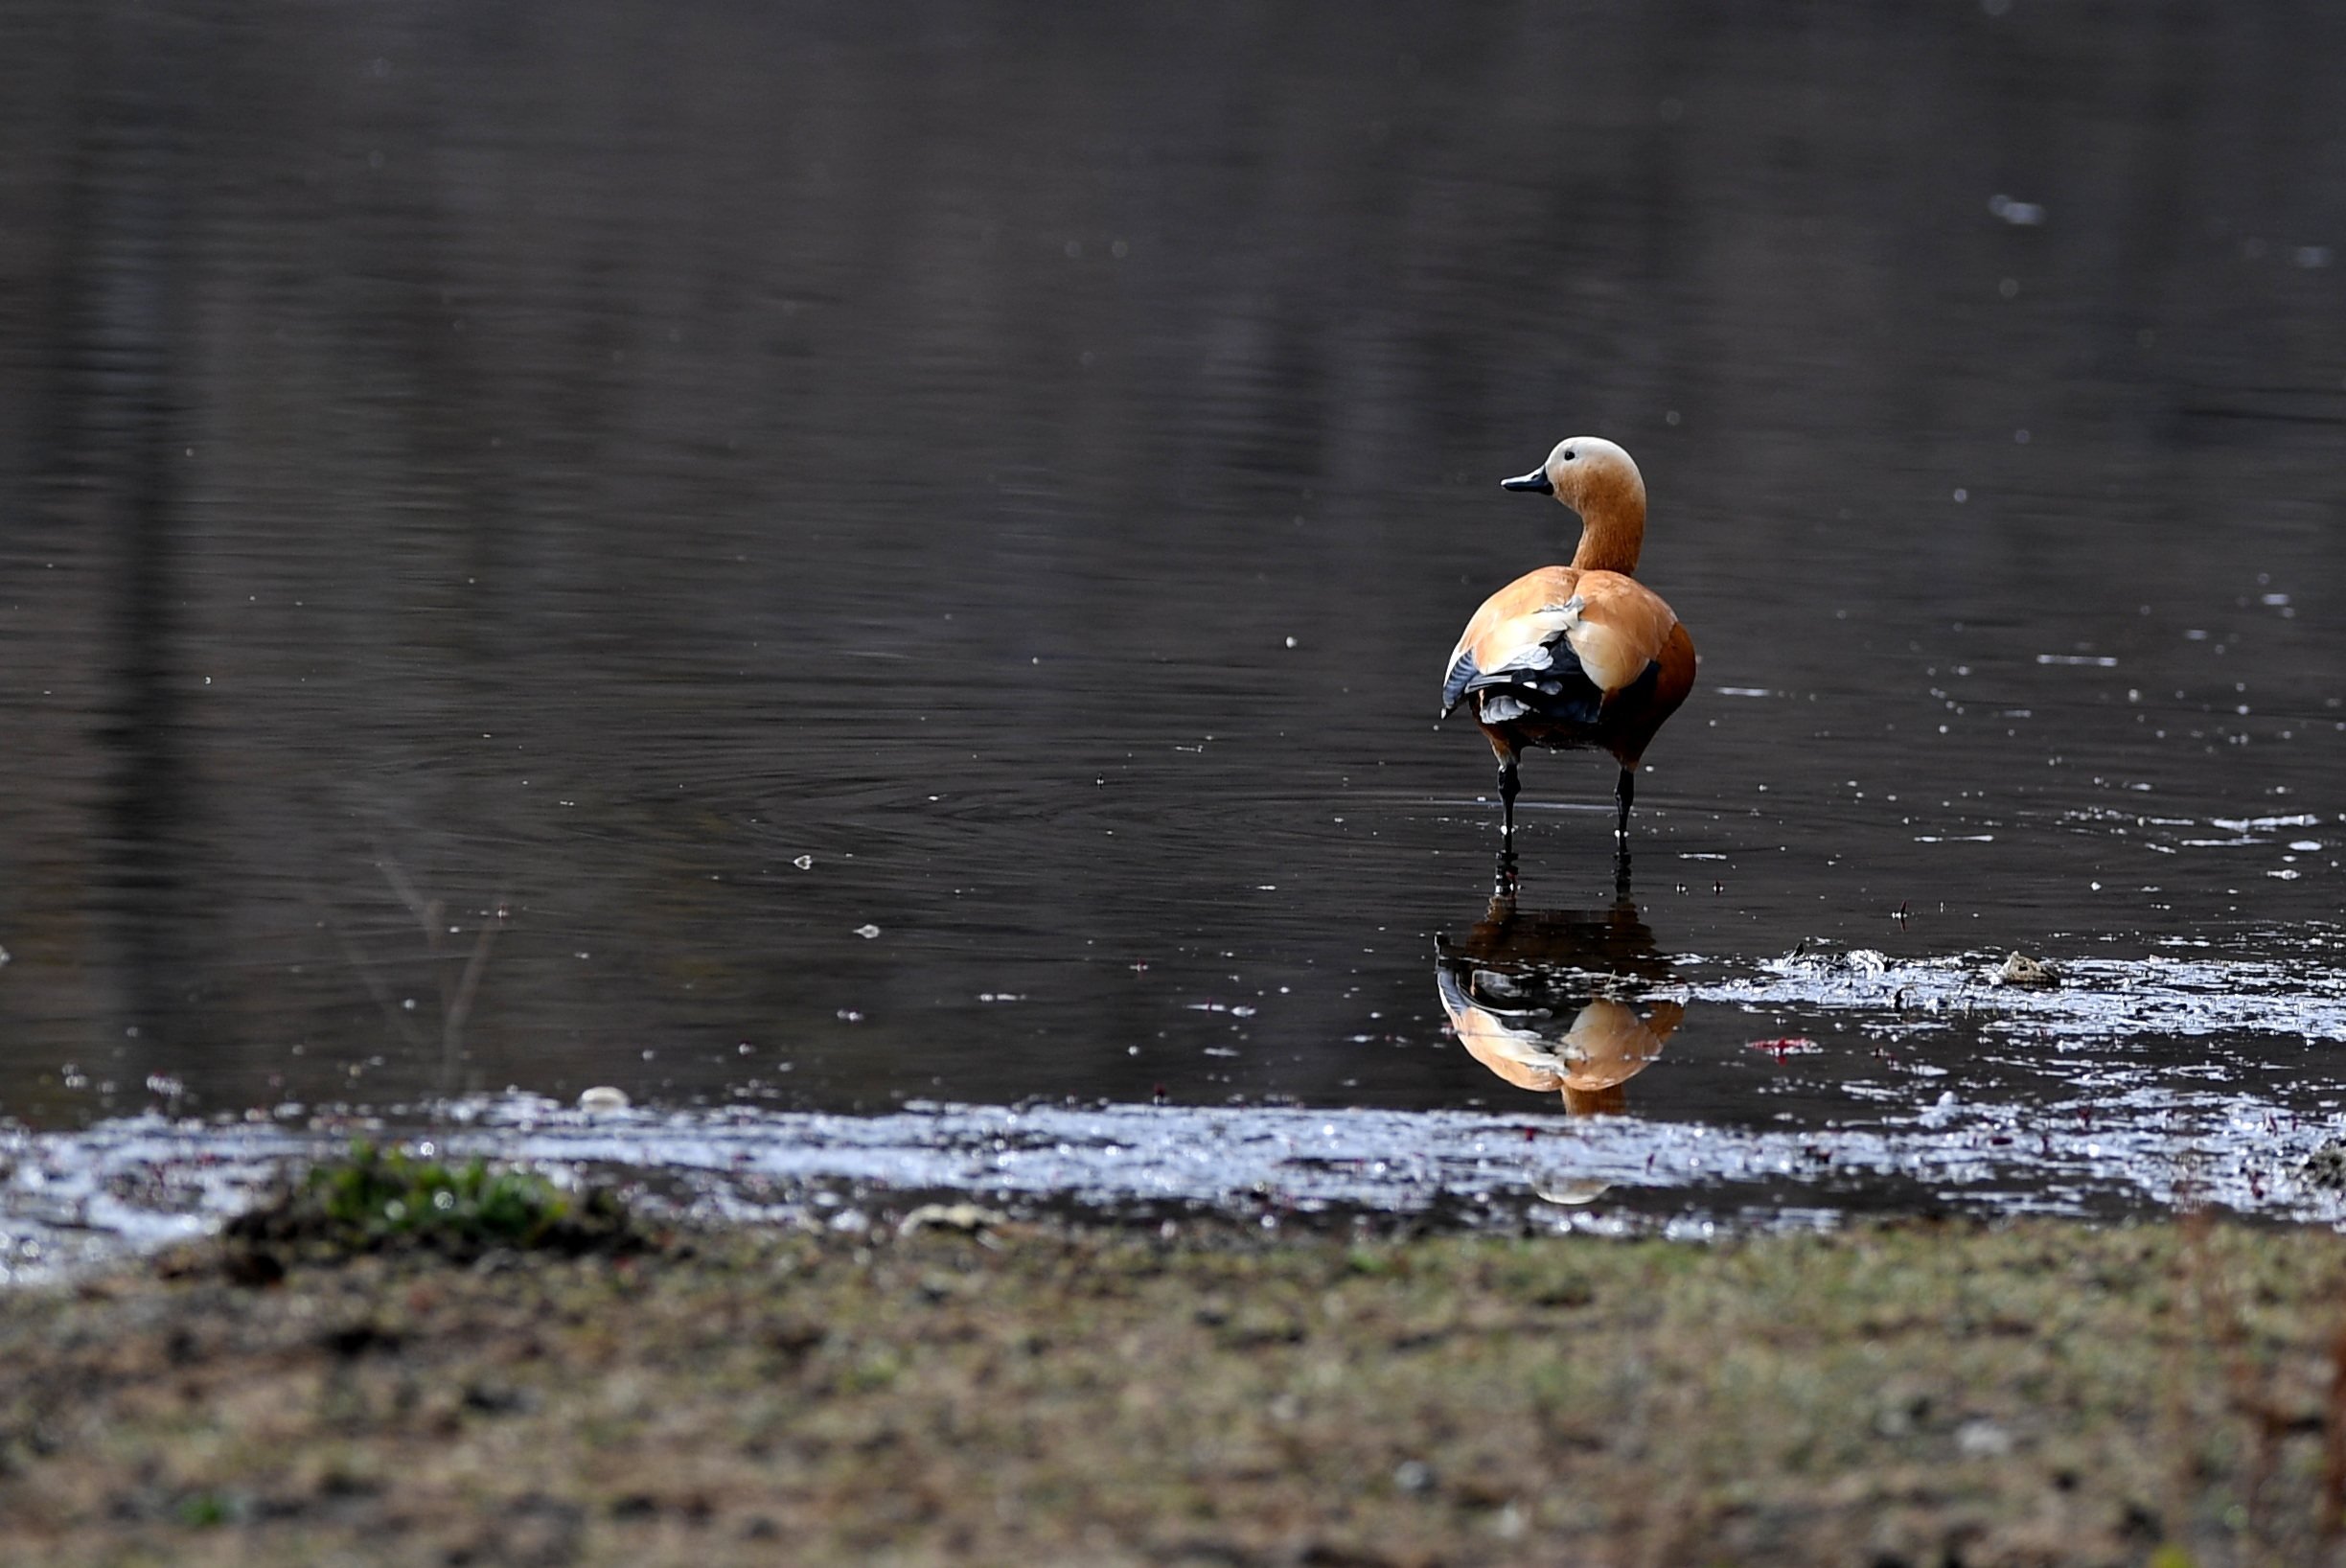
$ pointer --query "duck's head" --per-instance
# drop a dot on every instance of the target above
(1585, 471)
(1596, 479)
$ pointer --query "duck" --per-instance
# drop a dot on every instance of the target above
(1579, 657)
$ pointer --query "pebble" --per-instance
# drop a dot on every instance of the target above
(950, 1216)
(2021, 969)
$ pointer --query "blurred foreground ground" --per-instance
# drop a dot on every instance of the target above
(1917, 1393)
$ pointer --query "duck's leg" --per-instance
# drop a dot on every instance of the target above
(1624, 792)
(1502, 874)
(1507, 787)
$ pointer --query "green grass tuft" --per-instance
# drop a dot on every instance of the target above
(376, 1200)
(383, 1195)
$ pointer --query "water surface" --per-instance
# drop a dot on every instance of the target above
(768, 557)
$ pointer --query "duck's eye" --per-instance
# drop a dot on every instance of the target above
(1570, 455)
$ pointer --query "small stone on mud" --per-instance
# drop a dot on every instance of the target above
(1413, 1476)
(1981, 1438)
(950, 1216)
(602, 1099)
(2019, 969)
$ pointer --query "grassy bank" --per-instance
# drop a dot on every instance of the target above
(1910, 1394)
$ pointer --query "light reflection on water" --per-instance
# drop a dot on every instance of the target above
(711, 490)
(1561, 1002)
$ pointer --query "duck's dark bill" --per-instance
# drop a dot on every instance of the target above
(1536, 479)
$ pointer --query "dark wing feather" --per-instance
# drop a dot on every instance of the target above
(1562, 693)
(1462, 675)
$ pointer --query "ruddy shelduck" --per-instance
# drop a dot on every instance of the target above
(1583, 655)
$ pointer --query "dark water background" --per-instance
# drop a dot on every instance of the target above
(711, 480)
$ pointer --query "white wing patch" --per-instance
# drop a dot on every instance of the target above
(1538, 633)
(1498, 707)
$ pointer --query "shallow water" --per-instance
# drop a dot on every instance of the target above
(907, 563)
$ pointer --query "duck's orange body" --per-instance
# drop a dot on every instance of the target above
(1582, 655)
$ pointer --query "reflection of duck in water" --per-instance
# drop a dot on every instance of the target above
(1549, 998)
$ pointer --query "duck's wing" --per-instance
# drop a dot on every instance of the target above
(1514, 630)
(1622, 627)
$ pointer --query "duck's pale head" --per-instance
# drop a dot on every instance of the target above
(1585, 471)
(1598, 479)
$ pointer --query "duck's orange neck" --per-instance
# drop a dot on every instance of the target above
(1612, 530)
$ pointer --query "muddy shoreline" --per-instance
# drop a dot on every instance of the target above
(2109, 1151)
(967, 1388)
